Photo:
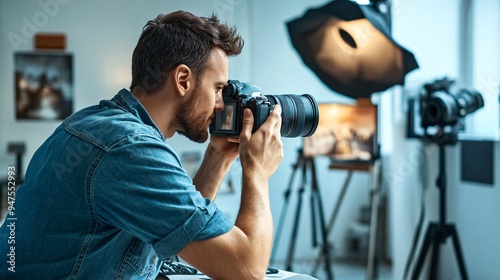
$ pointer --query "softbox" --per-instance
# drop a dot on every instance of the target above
(349, 47)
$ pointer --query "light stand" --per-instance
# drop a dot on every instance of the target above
(306, 164)
(437, 233)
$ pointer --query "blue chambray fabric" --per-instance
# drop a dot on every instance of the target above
(106, 198)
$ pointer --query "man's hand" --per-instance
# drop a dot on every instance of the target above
(220, 154)
(226, 147)
(262, 151)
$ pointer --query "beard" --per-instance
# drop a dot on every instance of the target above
(192, 125)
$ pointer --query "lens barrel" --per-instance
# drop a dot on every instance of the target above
(444, 108)
(300, 114)
(469, 101)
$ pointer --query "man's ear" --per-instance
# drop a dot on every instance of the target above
(183, 78)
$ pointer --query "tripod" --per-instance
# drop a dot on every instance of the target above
(305, 164)
(437, 233)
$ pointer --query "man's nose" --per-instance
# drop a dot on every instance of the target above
(219, 102)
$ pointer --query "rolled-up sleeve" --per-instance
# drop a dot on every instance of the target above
(205, 223)
(140, 187)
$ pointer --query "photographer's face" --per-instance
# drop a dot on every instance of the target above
(197, 112)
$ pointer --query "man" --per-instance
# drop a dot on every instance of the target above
(106, 198)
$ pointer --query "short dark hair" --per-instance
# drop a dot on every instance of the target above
(179, 38)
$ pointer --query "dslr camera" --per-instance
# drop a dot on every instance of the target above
(439, 106)
(299, 114)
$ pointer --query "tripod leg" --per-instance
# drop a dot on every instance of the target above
(335, 212)
(325, 248)
(293, 238)
(284, 209)
(435, 255)
(291, 249)
(371, 268)
(458, 252)
(339, 201)
(313, 220)
(428, 239)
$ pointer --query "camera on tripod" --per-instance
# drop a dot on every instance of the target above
(441, 107)
(438, 112)
(299, 113)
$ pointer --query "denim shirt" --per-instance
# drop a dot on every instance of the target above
(105, 198)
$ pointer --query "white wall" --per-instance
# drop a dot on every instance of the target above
(431, 29)
(486, 66)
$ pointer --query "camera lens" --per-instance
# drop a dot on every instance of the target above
(441, 109)
(469, 101)
(300, 114)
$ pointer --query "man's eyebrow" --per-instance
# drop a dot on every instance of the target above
(221, 83)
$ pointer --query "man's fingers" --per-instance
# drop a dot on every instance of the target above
(274, 119)
(277, 112)
(246, 130)
(272, 122)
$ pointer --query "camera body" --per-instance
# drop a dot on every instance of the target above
(300, 113)
(237, 96)
(442, 108)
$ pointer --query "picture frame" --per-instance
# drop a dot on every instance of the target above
(43, 85)
(347, 133)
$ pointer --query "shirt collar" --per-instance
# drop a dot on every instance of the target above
(125, 99)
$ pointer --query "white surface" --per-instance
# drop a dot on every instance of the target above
(280, 275)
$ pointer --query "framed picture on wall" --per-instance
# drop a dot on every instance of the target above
(43, 85)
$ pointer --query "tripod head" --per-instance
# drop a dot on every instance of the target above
(443, 136)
